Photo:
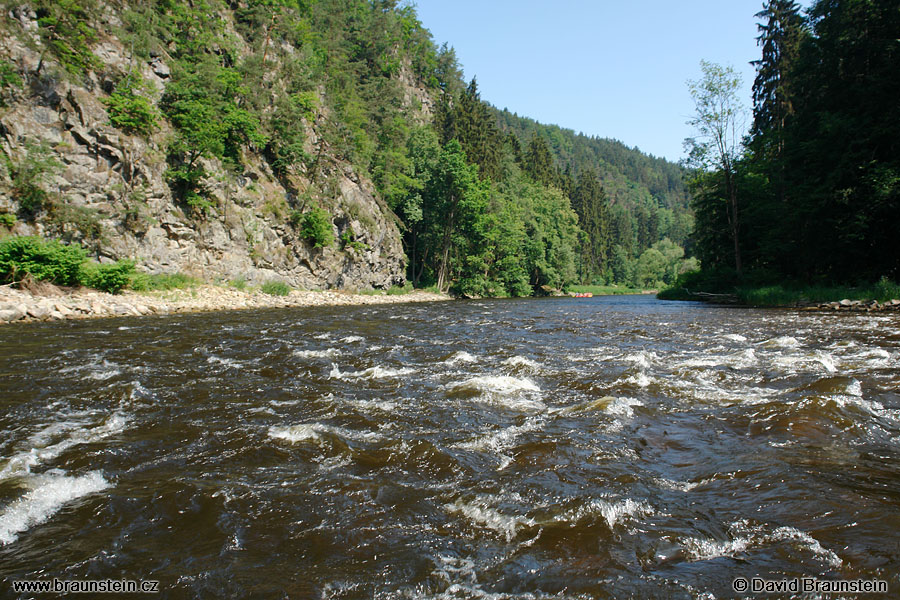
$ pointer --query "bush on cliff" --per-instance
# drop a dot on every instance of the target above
(107, 278)
(46, 260)
(53, 261)
(315, 226)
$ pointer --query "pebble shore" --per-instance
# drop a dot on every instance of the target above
(856, 306)
(82, 303)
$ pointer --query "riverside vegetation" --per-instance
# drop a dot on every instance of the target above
(321, 144)
(804, 209)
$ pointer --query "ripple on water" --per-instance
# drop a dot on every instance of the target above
(50, 442)
(518, 393)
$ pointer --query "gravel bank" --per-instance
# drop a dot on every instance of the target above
(53, 303)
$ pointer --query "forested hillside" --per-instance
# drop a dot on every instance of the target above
(646, 198)
(321, 142)
(812, 196)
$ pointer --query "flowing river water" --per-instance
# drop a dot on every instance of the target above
(558, 448)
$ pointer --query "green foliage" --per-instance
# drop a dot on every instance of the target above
(7, 220)
(9, 81)
(819, 182)
(203, 102)
(107, 278)
(30, 173)
(130, 109)
(145, 282)
(275, 288)
(186, 181)
(45, 260)
(67, 32)
(604, 290)
(348, 240)
(315, 227)
(76, 222)
(287, 141)
(238, 283)
(885, 290)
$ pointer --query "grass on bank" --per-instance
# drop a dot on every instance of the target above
(275, 288)
(604, 290)
(697, 285)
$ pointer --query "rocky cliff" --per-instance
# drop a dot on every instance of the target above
(106, 189)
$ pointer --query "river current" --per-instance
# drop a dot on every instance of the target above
(614, 447)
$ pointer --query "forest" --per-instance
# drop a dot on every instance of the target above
(489, 203)
(811, 195)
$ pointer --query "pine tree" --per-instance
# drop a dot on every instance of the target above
(539, 161)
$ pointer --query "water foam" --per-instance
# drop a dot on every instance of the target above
(327, 353)
(642, 359)
(520, 362)
(734, 337)
(502, 439)
(460, 357)
(784, 341)
(42, 451)
(512, 392)
(480, 512)
(616, 512)
(496, 384)
(48, 495)
(226, 362)
(745, 537)
(316, 432)
(375, 372)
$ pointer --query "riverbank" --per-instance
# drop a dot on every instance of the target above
(50, 302)
(609, 290)
(883, 295)
(760, 299)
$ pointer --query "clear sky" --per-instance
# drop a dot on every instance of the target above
(610, 68)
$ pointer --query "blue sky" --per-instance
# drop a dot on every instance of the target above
(608, 68)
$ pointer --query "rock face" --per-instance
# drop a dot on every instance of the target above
(111, 195)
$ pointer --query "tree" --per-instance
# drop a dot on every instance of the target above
(773, 88)
(539, 161)
(719, 121)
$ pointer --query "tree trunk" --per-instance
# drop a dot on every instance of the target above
(733, 217)
(445, 250)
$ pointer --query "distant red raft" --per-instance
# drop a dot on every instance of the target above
(584, 295)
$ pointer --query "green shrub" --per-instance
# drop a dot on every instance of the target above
(186, 182)
(275, 288)
(9, 80)
(238, 283)
(315, 226)
(66, 30)
(348, 241)
(129, 107)
(29, 173)
(107, 278)
(145, 282)
(7, 220)
(886, 289)
(85, 220)
(400, 290)
(46, 260)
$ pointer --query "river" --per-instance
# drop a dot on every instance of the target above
(542, 448)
